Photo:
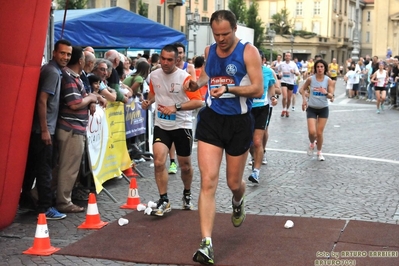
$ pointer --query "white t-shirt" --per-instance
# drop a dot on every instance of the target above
(286, 69)
(168, 90)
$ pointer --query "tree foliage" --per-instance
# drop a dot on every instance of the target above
(143, 9)
(239, 8)
(281, 22)
(253, 21)
(72, 4)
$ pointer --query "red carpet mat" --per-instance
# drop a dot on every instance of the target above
(172, 239)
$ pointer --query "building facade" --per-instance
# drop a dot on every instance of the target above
(334, 23)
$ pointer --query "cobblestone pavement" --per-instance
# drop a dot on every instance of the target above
(358, 180)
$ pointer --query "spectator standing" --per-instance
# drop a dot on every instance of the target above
(173, 124)
(113, 79)
(315, 103)
(41, 154)
(136, 80)
(90, 60)
(234, 75)
(75, 105)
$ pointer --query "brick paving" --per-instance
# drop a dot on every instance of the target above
(358, 180)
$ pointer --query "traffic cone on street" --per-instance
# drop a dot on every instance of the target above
(41, 243)
(129, 172)
(133, 198)
(93, 220)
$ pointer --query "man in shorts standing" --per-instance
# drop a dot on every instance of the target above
(173, 124)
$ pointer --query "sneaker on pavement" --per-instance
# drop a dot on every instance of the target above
(373, 100)
(251, 162)
(238, 215)
(53, 214)
(310, 149)
(287, 114)
(320, 157)
(172, 168)
(283, 113)
(254, 177)
(264, 159)
(378, 111)
(293, 108)
(204, 254)
(187, 205)
(162, 208)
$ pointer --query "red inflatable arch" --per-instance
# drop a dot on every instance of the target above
(23, 29)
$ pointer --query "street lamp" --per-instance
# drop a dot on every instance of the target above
(356, 44)
(292, 39)
(271, 34)
(193, 20)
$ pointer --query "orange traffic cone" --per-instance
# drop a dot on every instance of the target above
(93, 220)
(129, 172)
(41, 243)
(133, 198)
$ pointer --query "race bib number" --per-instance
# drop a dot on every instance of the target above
(171, 117)
(286, 74)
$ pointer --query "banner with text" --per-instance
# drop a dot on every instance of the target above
(106, 141)
(135, 118)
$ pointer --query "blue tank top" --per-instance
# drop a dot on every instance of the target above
(229, 70)
(268, 80)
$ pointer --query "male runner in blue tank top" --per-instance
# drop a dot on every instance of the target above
(234, 75)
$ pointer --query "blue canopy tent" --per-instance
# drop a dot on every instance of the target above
(113, 27)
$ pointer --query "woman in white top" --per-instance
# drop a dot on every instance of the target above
(380, 79)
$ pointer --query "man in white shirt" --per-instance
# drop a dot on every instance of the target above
(287, 71)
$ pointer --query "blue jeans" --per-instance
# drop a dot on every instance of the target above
(370, 91)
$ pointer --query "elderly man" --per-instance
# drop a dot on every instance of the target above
(113, 80)
(90, 59)
(100, 69)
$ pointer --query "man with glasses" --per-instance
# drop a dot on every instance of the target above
(100, 69)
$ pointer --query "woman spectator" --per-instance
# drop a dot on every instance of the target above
(135, 81)
(380, 80)
(321, 88)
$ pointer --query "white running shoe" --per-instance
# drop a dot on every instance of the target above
(320, 157)
(311, 149)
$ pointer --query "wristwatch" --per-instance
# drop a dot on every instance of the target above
(178, 106)
(227, 88)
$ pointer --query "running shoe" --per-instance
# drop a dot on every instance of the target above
(187, 205)
(310, 149)
(53, 214)
(378, 111)
(162, 208)
(320, 157)
(238, 215)
(251, 162)
(172, 168)
(293, 108)
(204, 254)
(264, 159)
(283, 113)
(287, 114)
(254, 177)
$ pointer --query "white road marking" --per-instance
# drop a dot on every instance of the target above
(341, 155)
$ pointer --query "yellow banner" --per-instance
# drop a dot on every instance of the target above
(106, 140)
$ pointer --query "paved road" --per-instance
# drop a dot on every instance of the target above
(358, 180)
